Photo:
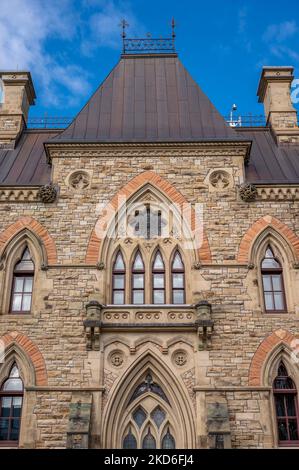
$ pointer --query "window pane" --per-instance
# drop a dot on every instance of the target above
(139, 417)
(158, 280)
(26, 304)
(158, 416)
(28, 284)
(269, 301)
(138, 281)
(270, 264)
(267, 282)
(293, 429)
(3, 429)
(282, 430)
(17, 405)
(158, 263)
(158, 296)
(138, 297)
(17, 302)
(279, 403)
(276, 281)
(168, 441)
(278, 299)
(149, 442)
(130, 441)
(119, 281)
(119, 263)
(118, 297)
(138, 264)
(18, 284)
(15, 429)
(178, 296)
(178, 280)
(13, 385)
(290, 404)
(177, 262)
(5, 407)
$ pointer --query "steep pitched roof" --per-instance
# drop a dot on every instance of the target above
(148, 98)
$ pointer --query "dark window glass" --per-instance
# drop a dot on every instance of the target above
(178, 279)
(168, 441)
(158, 415)
(138, 280)
(139, 416)
(158, 279)
(273, 287)
(118, 280)
(286, 405)
(149, 441)
(130, 441)
(22, 285)
(11, 398)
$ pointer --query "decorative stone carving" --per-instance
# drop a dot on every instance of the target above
(218, 426)
(47, 193)
(196, 265)
(180, 358)
(79, 423)
(220, 179)
(248, 192)
(204, 323)
(79, 180)
(100, 265)
(117, 358)
(92, 325)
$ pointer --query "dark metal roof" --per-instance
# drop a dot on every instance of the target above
(270, 163)
(26, 164)
(148, 98)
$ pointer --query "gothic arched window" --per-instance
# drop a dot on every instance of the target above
(138, 279)
(178, 279)
(168, 441)
(286, 405)
(22, 285)
(149, 442)
(158, 279)
(130, 441)
(11, 398)
(118, 280)
(273, 286)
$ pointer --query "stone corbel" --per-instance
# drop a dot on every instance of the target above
(204, 324)
(92, 325)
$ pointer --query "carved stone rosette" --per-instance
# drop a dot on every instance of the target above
(47, 193)
(248, 192)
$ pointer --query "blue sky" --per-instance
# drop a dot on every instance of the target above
(71, 45)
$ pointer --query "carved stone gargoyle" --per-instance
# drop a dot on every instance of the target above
(92, 325)
(204, 323)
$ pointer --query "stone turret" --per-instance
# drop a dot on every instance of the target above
(17, 95)
(274, 92)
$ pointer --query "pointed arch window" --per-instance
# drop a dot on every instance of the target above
(158, 279)
(178, 279)
(273, 285)
(138, 279)
(149, 442)
(168, 441)
(130, 441)
(11, 399)
(118, 280)
(286, 405)
(22, 285)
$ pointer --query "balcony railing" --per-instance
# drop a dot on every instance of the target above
(50, 122)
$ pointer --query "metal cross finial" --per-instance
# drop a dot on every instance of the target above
(123, 24)
(173, 25)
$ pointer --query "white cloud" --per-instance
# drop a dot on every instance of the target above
(104, 26)
(40, 36)
(280, 32)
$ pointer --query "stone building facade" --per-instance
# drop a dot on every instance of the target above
(149, 267)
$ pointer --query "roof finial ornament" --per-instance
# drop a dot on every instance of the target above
(123, 24)
(173, 25)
